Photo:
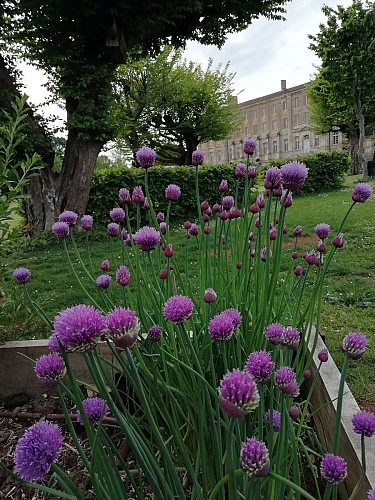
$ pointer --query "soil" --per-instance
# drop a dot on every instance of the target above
(11, 429)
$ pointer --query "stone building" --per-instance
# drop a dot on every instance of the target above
(280, 124)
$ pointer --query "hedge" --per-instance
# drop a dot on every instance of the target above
(326, 170)
(107, 182)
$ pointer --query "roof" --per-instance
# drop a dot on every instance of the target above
(280, 93)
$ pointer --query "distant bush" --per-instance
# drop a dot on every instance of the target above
(326, 170)
(107, 182)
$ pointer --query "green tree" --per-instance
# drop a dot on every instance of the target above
(343, 93)
(80, 44)
(174, 105)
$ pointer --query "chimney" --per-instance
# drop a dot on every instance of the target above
(283, 85)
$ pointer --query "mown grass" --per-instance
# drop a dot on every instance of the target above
(349, 296)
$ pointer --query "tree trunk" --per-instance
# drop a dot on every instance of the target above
(191, 145)
(358, 108)
(354, 141)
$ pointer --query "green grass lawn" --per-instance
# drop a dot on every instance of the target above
(349, 297)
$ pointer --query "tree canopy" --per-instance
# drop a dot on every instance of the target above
(80, 43)
(342, 94)
(173, 105)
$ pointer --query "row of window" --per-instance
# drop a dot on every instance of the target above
(263, 110)
(275, 145)
(285, 124)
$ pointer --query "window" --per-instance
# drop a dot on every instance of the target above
(211, 157)
(335, 138)
(274, 125)
(316, 142)
(285, 105)
(255, 129)
(273, 108)
(285, 122)
(265, 148)
(286, 145)
(219, 156)
(246, 131)
(264, 127)
(274, 146)
(245, 116)
(231, 155)
(296, 142)
(254, 113)
(305, 100)
(263, 111)
(296, 119)
(305, 118)
(239, 152)
(295, 102)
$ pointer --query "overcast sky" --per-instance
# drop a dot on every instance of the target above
(261, 56)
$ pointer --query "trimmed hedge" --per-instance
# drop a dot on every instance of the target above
(326, 170)
(107, 182)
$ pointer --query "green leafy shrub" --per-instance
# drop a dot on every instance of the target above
(326, 170)
(107, 182)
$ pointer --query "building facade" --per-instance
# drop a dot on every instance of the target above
(280, 124)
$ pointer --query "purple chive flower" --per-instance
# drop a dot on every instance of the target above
(22, 275)
(172, 192)
(261, 202)
(263, 254)
(238, 393)
(87, 222)
(147, 238)
(274, 333)
(297, 231)
(273, 178)
(333, 468)
(209, 296)
(160, 217)
(197, 157)
(104, 266)
(137, 195)
(194, 230)
(354, 344)
(234, 315)
(252, 172)
(338, 241)
(178, 308)
(240, 170)
(163, 227)
(291, 338)
(228, 202)
(260, 365)
(53, 344)
(285, 380)
(249, 146)
(276, 418)
(322, 230)
(223, 325)
(294, 412)
(371, 494)
(103, 281)
(69, 217)
(49, 368)
(364, 423)
(145, 203)
(124, 196)
(293, 175)
(123, 276)
(117, 214)
(113, 229)
(146, 157)
(298, 271)
(286, 198)
(255, 458)
(122, 326)
(79, 327)
(323, 355)
(224, 186)
(37, 450)
(94, 408)
(60, 229)
(361, 192)
(311, 258)
(154, 333)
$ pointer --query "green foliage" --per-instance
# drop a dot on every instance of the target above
(326, 171)
(107, 182)
(14, 173)
(343, 94)
(173, 105)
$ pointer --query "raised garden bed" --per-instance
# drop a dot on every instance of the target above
(17, 376)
